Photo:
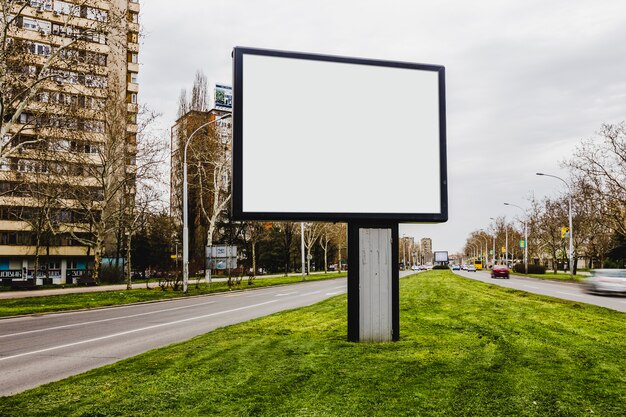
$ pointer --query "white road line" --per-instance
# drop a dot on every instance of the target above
(569, 293)
(334, 293)
(133, 331)
(66, 326)
(310, 293)
(530, 286)
(284, 294)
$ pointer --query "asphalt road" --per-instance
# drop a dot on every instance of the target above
(565, 290)
(38, 349)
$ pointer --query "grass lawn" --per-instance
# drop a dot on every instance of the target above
(466, 349)
(74, 301)
(561, 276)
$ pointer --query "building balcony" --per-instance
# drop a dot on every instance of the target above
(19, 250)
(132, 87)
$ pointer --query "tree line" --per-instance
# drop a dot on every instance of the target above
(597, 183)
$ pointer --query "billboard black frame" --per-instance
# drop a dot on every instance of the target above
(237, 156)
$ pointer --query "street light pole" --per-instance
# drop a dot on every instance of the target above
(486, 246)
(185, 203)
(525, 239)
(302, 248)
(571, 230)
(506, 245)
(494, 243)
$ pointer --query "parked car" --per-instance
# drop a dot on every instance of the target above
(471, 268)
(456, 267)
(606, 281)
(500, 271)
(415, 268)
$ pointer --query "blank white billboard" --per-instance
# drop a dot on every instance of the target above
(441, 256)
(330, 138)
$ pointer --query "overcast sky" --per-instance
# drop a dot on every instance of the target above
(526, 80)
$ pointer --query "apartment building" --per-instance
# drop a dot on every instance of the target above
(214, 143)
(426, 249)
(71, 93)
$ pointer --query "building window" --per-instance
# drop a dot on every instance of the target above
(133, 57)
(41, 4)
(39, 48)
(62, 7)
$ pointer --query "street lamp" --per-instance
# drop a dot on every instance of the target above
(474, 248)
(486, 245)
(494, 243)
(185, 209)
(525, 239)
(571, 231)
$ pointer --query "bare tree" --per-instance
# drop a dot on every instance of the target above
(325, 237)
(146, 182)
(25, 80)
(600, 163)
(311, 234)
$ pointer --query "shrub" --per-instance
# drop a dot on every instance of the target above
(532, 269)
(441, 267)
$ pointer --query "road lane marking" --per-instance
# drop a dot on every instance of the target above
(35, 352)
(334, 293)
(310, 293)
(530, 286)
(66, 326)
(284, 294)
(569, 293)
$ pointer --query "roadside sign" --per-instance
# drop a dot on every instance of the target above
(173, 256)
(522, 244)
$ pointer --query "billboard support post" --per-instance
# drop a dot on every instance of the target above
(373, 282)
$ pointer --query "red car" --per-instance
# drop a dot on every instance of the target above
(500, 271)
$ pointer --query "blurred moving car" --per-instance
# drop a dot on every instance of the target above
(471, 268)
(415, 268)
(456, 267)
(606, 281)
(500, 271)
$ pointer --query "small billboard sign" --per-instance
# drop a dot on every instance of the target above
(223, 96)
(441, 256)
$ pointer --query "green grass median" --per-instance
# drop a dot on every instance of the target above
(76, 301)
(560, 276)
(466, 349)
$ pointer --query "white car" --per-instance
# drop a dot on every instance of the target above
(606, 281)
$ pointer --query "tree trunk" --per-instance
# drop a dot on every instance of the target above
(308, 261)
(253, 242)
(97, 259)
(129, 277)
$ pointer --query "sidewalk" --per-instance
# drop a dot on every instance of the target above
(4, 295)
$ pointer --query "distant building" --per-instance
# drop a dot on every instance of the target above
(221, 134)
(426, 250)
